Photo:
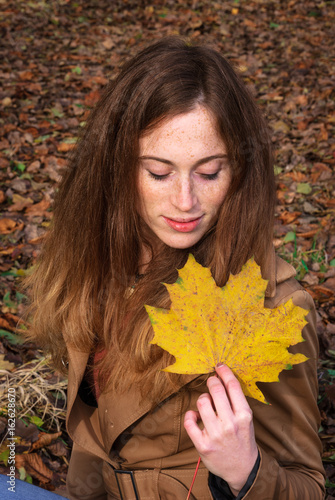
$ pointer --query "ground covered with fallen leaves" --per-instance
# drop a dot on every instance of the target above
(56, 57)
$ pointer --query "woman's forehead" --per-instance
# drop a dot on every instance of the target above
(194, 129)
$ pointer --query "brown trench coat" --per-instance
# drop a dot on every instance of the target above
(155, 445)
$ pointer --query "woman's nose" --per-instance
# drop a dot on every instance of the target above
(184, 197)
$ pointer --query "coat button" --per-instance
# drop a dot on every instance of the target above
(111, 424)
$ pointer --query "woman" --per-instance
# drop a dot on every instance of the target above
(175, 159)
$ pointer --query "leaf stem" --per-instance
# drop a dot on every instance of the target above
(195, 475)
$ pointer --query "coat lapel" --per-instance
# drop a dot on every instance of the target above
(276, 270)
(97, 430)
(82, 421)
(77, 366)
(119, 411)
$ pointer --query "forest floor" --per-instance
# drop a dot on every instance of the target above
(55, 59)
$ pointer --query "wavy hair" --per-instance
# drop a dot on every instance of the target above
(91, 252)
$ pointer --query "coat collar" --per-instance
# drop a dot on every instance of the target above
(276, 270)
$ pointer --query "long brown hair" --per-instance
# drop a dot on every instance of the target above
(91, 253)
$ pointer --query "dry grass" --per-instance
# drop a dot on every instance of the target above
(39, 391)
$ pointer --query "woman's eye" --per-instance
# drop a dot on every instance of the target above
(161, 177)
(157, 177)
(210, 177)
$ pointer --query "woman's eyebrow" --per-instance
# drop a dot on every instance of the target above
(197, 164)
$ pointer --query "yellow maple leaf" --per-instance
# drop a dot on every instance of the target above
(207, 324)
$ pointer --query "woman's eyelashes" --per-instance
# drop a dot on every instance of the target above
(157, 177)
(210, 177)
(161, 177)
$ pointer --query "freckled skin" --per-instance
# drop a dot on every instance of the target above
(183, 204)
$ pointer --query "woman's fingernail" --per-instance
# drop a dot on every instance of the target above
(219, 364)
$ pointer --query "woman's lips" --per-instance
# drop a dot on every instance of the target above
(183, 226)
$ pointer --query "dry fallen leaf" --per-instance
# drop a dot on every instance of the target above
(39, 209)
(8, 226)
(108, 43)
(34, 466)
(19, 203)
(208, 324)
(58, 449)
(44, 439)
(4, 364)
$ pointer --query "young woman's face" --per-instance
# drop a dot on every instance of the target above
(183, 177)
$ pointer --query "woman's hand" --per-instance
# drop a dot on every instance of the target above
(227, 444)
